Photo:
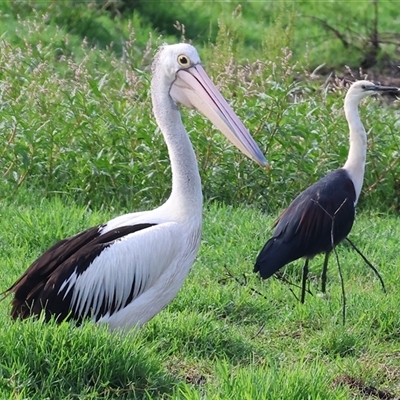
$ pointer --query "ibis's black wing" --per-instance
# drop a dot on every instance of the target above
(305, 228)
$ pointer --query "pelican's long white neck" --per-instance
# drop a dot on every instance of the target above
(355, 164)
(186, 196)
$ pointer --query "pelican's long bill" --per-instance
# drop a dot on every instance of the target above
(193, 88)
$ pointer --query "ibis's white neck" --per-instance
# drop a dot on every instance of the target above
(355, 164)
(186, 197)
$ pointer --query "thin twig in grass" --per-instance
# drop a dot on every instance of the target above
(290, 283)
(338, 264)
(244, 283)
(241, 283)
(341, 277)
(368, 263)
(259, 331)
(336, 254)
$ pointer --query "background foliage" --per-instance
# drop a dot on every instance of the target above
(76, 116)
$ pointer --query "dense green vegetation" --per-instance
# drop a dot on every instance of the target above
(79, 145)
(76, 120)
(335, 33)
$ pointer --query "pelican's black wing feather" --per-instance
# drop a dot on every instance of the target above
(37, 289)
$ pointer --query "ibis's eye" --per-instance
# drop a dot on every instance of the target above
(184, 61)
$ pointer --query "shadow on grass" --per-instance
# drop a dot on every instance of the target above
(200, 336)
(360, 388)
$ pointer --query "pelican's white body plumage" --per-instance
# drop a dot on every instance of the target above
(124, 272)
(169, 247)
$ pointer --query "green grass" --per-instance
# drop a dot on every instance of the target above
(219, 338)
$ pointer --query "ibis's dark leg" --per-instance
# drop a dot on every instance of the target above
(304, 281)
(324, 272)
(369, 264)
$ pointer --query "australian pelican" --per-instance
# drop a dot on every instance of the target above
(127, 270)
(304, 228)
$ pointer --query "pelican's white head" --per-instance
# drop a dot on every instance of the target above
(171, 58)
(177, 71)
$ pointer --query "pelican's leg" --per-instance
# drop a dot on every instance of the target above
(303, 281)
(324, 271)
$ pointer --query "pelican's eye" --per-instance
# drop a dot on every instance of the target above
(184, 61)
(363, 87)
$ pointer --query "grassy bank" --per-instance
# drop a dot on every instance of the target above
(219, 338)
